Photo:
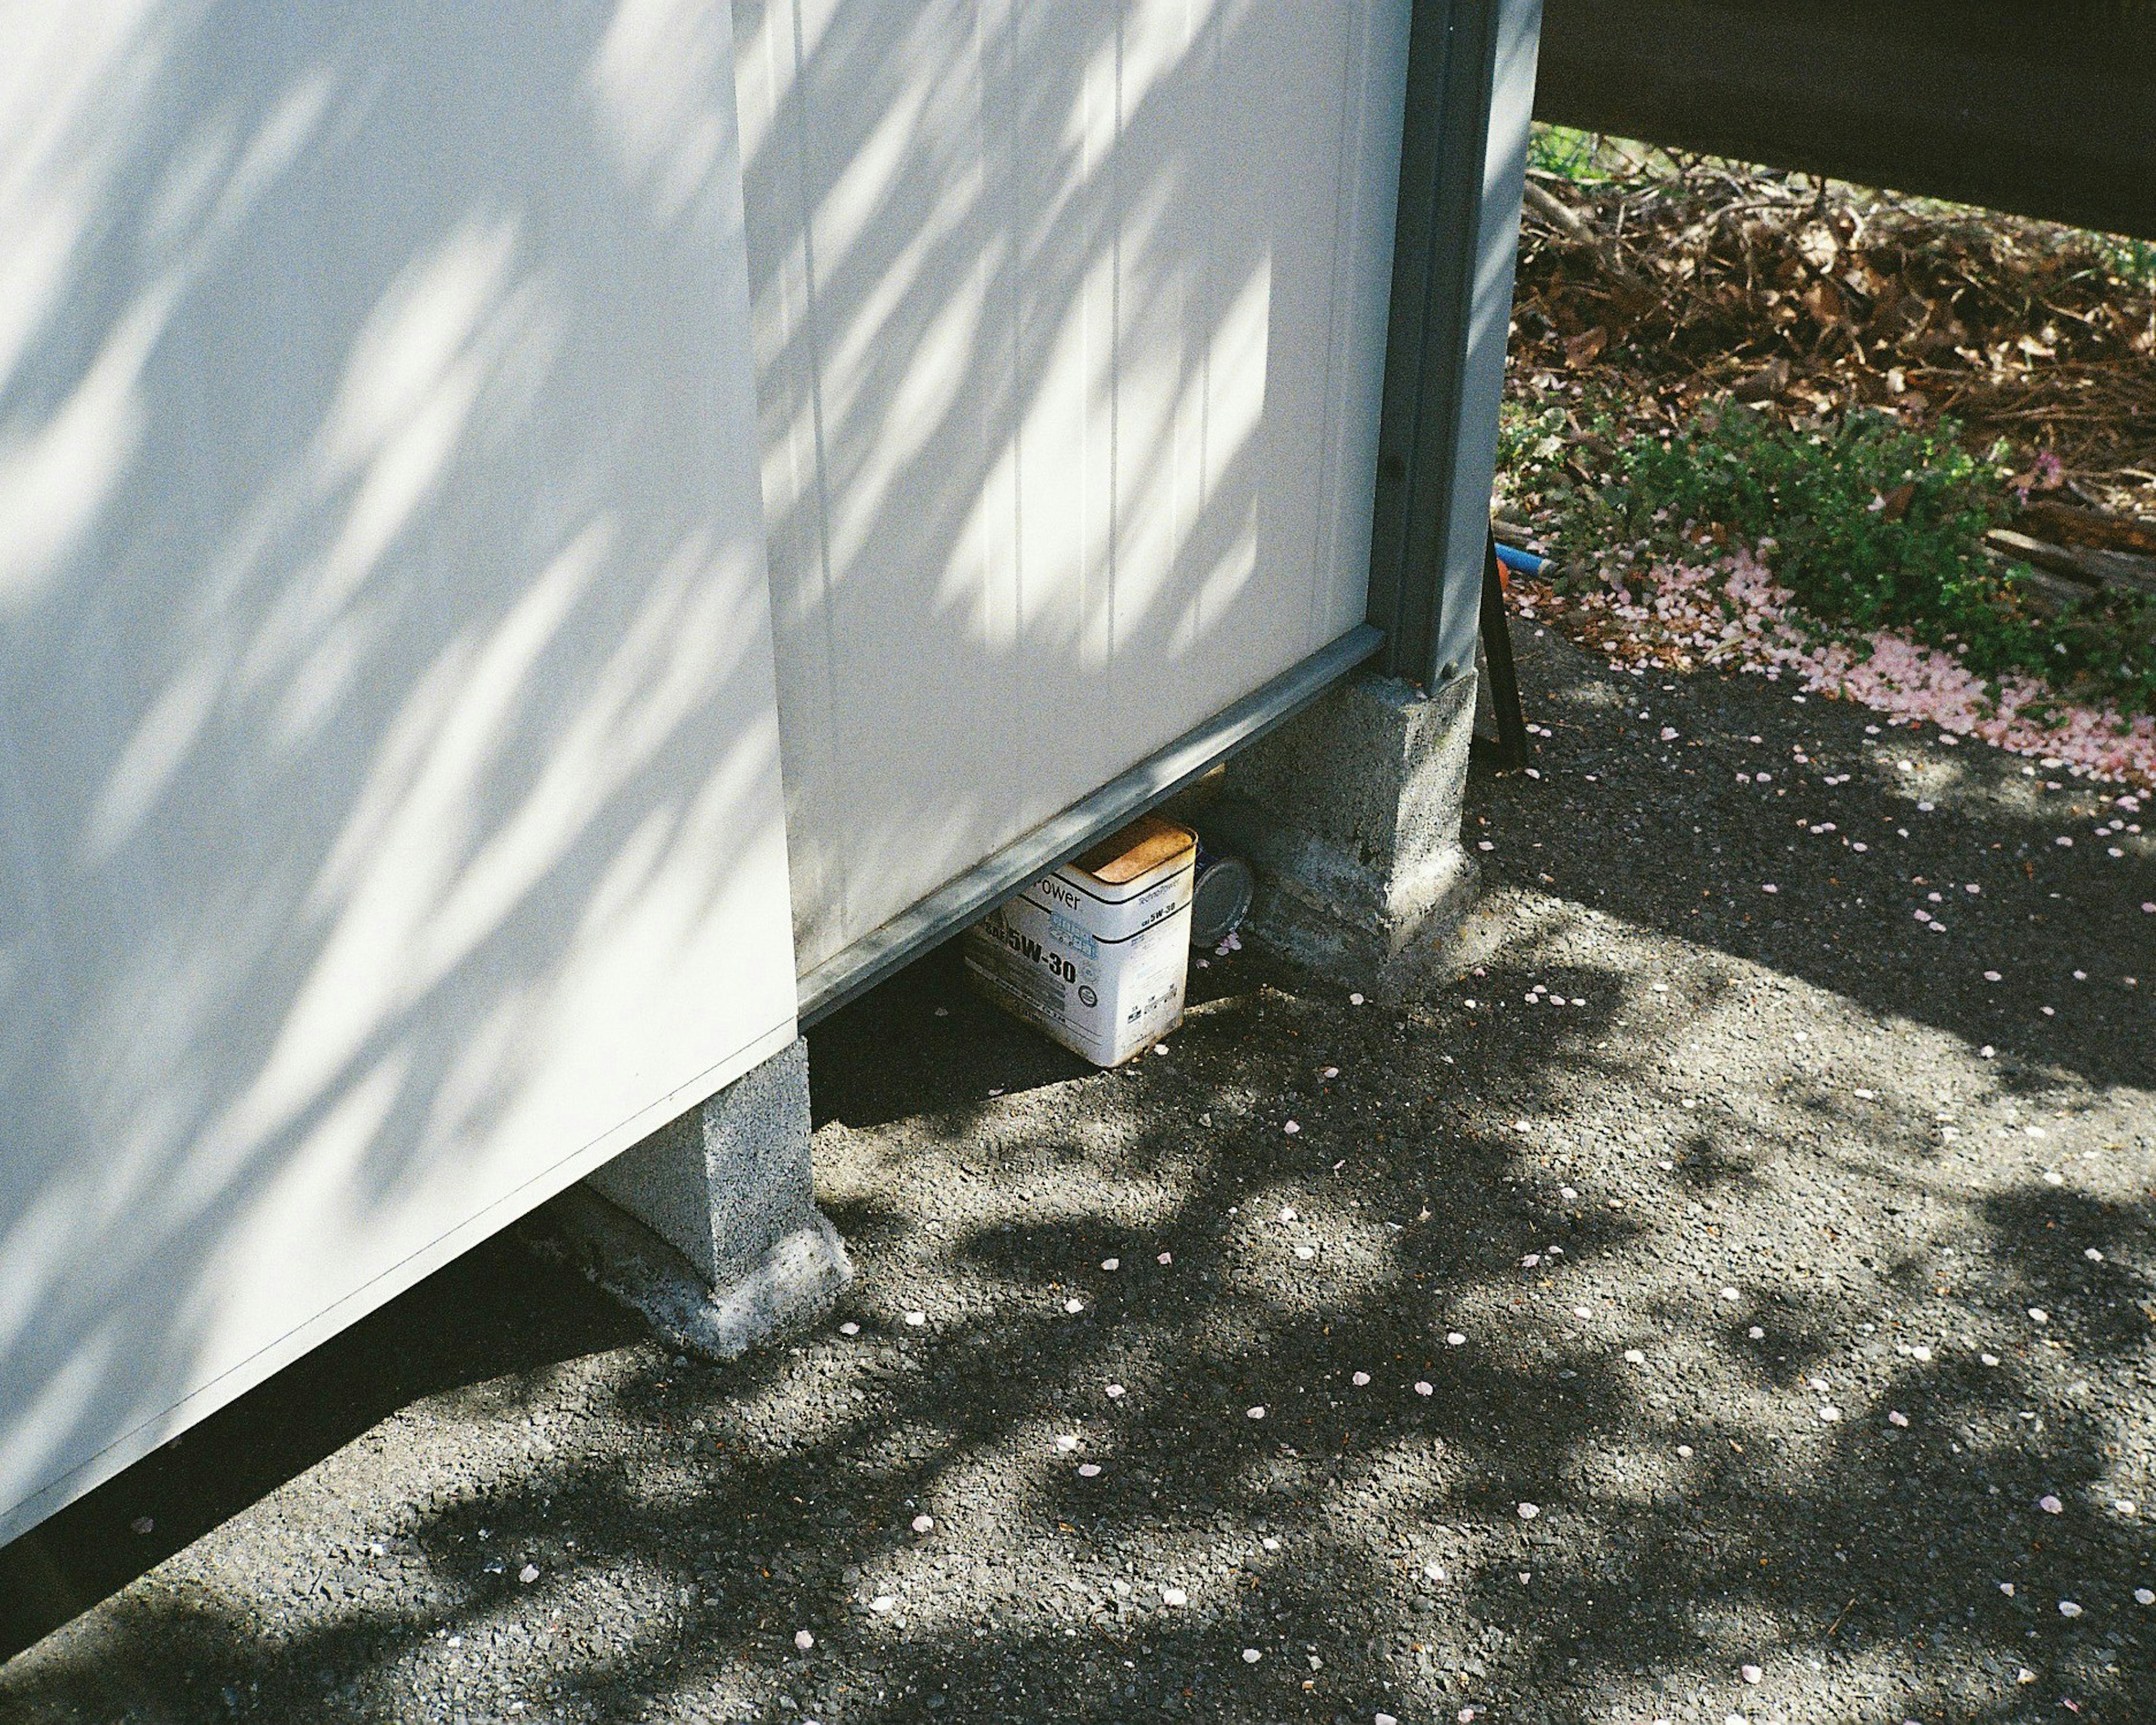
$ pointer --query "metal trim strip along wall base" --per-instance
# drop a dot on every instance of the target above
(957, 903)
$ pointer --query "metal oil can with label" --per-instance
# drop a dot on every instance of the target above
(1097, 953)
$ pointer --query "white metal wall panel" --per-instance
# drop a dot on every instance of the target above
(389, 757)
(1070, 323)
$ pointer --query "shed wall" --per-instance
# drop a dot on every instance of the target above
(1069, 327)
(388, 759)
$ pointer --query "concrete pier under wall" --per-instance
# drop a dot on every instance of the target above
(709, 1227)
(1351, 814)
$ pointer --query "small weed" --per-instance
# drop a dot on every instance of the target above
(2131, 263)
(1567, 153)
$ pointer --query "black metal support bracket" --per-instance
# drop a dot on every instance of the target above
(1508, 751)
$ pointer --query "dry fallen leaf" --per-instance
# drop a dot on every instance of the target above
(1824, 300)
(1770, 381)
(1819, 246)
(1583, 349)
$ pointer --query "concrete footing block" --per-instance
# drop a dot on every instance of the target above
(1351, 814)
(709, 1227)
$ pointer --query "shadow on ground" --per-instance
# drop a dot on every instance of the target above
(1695, 1318)
(493, 1313)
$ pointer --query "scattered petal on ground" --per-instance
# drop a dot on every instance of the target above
(1732, 611)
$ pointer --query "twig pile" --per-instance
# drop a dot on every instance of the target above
(1697, 279)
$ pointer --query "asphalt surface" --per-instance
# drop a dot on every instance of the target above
(1724, 1301)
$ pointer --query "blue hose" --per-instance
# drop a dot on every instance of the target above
(1524, 562)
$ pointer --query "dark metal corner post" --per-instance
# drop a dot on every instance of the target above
(1463, 163)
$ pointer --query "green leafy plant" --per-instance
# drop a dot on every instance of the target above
(2131, 262)
(1564, 152)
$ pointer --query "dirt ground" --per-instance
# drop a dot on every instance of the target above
(1735, 1299)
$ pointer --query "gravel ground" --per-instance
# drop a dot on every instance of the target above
(1729, 1300)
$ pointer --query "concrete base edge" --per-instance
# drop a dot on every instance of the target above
(796, 1280)
(1351, 815)
(1382, 957)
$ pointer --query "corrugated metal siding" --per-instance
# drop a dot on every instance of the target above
(1070, 325)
